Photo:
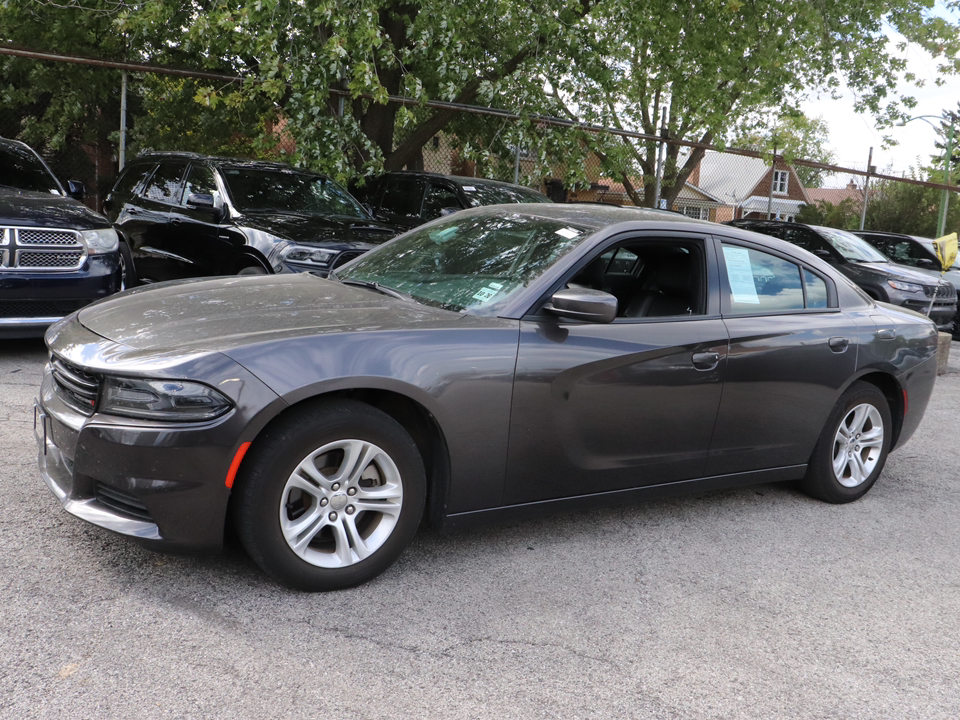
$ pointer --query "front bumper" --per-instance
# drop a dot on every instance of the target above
(942, 313)
(162, 484)
(32, 301)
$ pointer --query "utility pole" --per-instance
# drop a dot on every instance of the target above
(866, 188)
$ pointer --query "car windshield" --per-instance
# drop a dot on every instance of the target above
(21, 169)
(471, 263)
(851, 247)
(482, 194)
(273, 190)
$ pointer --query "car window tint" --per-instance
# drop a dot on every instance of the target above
(802, 237)
(758, 282)
(436, 200)
(201, 181)
(132, 176)
(816, 288)
(21, 169)
(165, 185)
(403, 196)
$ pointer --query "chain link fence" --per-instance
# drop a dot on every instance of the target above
(170, 112)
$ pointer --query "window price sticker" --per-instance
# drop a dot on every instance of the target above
(486, 293)
(740, 275)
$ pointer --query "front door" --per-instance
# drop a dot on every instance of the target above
(601, 407)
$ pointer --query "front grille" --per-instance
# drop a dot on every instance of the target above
(75, 387)
(943, 290)
(345, 257)
(38, 308)
(50, 259)
(47, 237)
(121, 502)
(41, 249)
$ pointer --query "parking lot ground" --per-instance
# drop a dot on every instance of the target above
(751, 603)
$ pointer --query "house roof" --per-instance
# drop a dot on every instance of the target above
(731, 178)
(835, 196)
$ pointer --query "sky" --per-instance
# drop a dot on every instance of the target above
(852, 134)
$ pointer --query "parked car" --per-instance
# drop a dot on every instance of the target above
(56, 255)
(496, 364)
(183, 215)
(870, 269)
(409, 199)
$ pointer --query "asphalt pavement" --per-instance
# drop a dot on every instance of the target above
(751, 603)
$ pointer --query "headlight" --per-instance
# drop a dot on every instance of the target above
(176, 400)
(309, 256)
(100, 241)
(905, 286)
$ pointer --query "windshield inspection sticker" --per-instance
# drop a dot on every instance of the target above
(568, 233)
(485, 293)
(740, 275)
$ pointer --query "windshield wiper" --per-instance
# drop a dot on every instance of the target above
(383, 289)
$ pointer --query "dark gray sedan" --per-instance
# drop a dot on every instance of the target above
(495, 364)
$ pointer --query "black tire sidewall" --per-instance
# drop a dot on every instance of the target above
(276, 454)
(821, 482)
(128, 274)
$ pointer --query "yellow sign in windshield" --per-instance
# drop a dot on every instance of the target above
(946, 249)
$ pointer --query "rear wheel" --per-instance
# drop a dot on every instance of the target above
(853, 447)
(330, 496)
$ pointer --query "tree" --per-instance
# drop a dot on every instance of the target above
(908, 208)
(844, 215)
(793, 135)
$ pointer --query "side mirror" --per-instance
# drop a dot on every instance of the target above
(75, 189)
(926, 263)
(448, 211)
(583, 304)
(205, 203)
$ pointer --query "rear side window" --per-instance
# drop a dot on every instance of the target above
(166, 183)
(758, 282)
(403, 197)
(438, 199)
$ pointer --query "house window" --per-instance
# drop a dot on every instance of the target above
(780, 178)
(695, 212)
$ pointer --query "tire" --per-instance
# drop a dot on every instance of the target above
(252, 270)
(128, 275)
(853, 447)
(330, 496)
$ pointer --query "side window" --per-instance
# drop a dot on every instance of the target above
(436, 200)
(166, 183)
(758, 282)
(807, 239)
(132, 176)
(403, 197)
(201, 181)
(650, 279)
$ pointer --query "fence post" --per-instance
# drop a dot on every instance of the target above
(866, 189)
(123, 120)
(773, 179)
(660, 144)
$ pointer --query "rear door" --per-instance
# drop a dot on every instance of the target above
(792, 350)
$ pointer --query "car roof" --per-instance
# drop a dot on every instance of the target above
(460, 179)
(594, 215)
(220, 160)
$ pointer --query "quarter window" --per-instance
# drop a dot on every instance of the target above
(757, 282)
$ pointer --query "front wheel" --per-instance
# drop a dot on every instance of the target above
(853, 447)
(330, 496)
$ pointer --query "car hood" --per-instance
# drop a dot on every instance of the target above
(901, 272)
(223, 313)
(343, 231)
(36, 209)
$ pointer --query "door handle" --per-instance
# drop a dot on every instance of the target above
(839, 344)
(175, 221)
(705, 360)
(886, 333)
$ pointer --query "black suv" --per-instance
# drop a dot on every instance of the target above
(408, 199)
(55, 254)
(869, 269)
(183, 215)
